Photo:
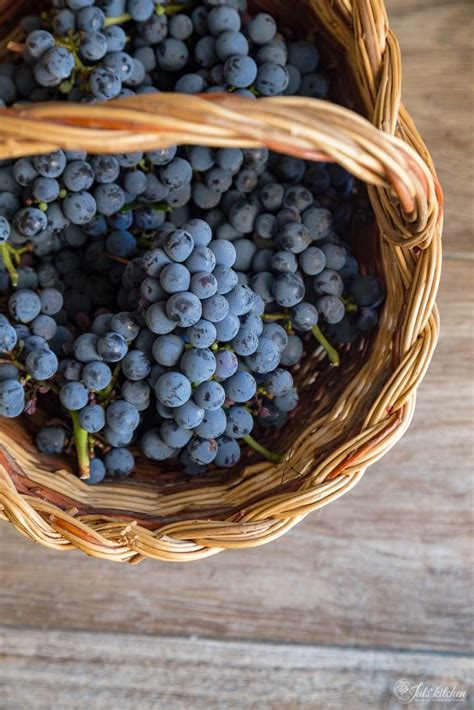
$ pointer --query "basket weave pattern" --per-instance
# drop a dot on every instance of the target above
(350, 418)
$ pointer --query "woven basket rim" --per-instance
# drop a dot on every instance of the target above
(390, 157)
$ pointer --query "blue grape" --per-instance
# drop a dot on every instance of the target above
(328, 283)
(79, 207)
(78, 176)
(202, 451)
(241, 300)
(198, 364)
(226, 279)
(178, 245)
(241, 387)
(102, 324)
(203, 285)
(136, 365)
(8, 336)
(172, 54)
(279, 382)
(202, 335)
(230, 159)
(157, 320)
(96, 376)
(185, 309)
(118, 439)
(240, 71)
(92, 418)
(41, 364)
(30, 221)
(119, 463)
(242, 217)
(112, 347)
(180, 27)
(230, 43)
(126, 325)
(367, 319)
(122, 417)
(314, 85)
(106, 168)
(331, 308)
(228, 328)
(175, 278)
(51, 440)
(173, 389)
(288, 290)
(228, 452)
(319, 222)
(93, 46)
(12, 398)
(8, 371)
(73, 396)
(226, 365)
(210, 396)
(71, 369)
(189, 415)
(199, 230)
(38, 42)
(313, 261)
(190, 84)
(174, 436)
(136, 392)
(335, 256)
(97, 472)
(266, 358)
(24, 305)
(86, 348)
(109, 198)
(293, 352)
(245, 342)
(44, 326)
(205, 52)
(168, 349)
(105, 84)
(215, 309)
(284, 262)
(272, 79)
(367, 291)
(222, 19)
(202, 259)
(213, 425)
(287, 402)
(304, 316)
(262, 283)
(239, 422)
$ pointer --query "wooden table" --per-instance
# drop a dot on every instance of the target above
(369, 591)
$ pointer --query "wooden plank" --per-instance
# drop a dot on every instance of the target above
(42, 670)
(388, 565)
(437, 54)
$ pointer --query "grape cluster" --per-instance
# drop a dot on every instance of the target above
(164, 300)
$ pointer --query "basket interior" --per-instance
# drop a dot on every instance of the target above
(158, 494)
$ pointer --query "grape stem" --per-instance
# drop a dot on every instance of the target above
(5, 253)
(269, 455)
(332, 353)
(119, 20)
(81, 439)
(270, 317)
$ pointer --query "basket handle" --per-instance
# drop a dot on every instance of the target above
(306, 128)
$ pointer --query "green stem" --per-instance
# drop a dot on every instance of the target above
(81, 439)
(269, 455)
(5, 253)
(332, 353)
(119, 20)
(270, 317)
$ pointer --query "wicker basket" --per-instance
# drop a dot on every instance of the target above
(349, 418)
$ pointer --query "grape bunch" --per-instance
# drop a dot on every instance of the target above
(165, 300)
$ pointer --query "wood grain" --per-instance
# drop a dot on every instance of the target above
(81, 670)
(386, 566)
(438, 89)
